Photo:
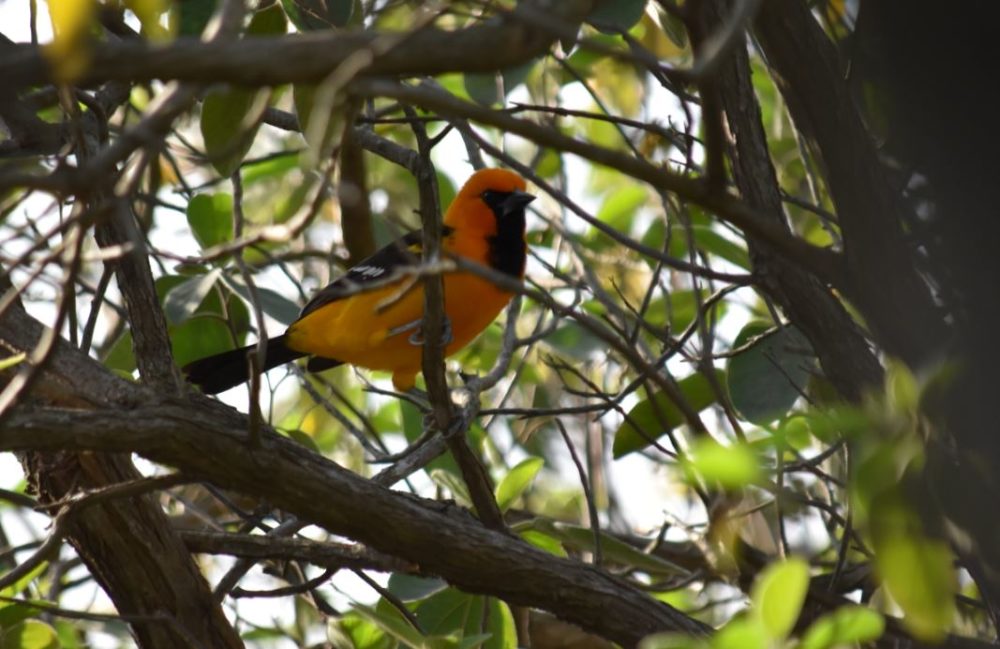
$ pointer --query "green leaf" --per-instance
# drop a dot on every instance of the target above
(483, 88)
(356, 632)
(446, 189)
(919, 575)
(211, 218)
(199, 337)
(849, 625)
(269, 21)
(184, 299)
(683, 309)
(544, 541)
(229, 122)
(119, 356)
(732, 466)
(273, 303)
(413, 422)
(230, 117)
(617, 15)
(674, 28)
(715, 243)
(643, 424)
(392, 622)
(573, 340)
(614, 550)
(409, 588)
(517, 480)
(620, 207)
(15, 589)
(769, 375)
(778, 595)
(270, 168)
(322, 112)
(461, 619)
(192, 16)
(30, 634)
(741, 633)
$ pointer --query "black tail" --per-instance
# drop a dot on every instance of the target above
(215, 374)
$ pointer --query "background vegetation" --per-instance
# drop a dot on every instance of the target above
(743, 399)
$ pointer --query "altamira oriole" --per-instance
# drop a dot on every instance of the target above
(379, 329)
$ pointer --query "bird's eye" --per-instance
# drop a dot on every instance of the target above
(489, 195)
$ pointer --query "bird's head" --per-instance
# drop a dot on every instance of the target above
(491, 201)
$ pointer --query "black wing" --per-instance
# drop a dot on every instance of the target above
(405, 251)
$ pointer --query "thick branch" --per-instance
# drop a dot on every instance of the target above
(494, 45)
(841, 347)
(882, 281)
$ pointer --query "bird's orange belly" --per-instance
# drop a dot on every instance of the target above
(380, 330)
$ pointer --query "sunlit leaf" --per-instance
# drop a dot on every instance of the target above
(14, 589)
(360, 633)
(731, 466)
(620, 208)
(517, 480)
(770, 371)
(544, 541)
(848, 625)
(745, 632)
(778, 595)
(392, 622)
(919, 575)
(30, 634)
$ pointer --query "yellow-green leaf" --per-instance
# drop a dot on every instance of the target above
(849, 625)
(517, 480)
(919, 575)
(778, 595)
(30, 634)
(731, 466)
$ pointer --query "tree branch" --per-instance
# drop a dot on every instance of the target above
(495, 44)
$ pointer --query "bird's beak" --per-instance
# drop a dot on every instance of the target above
(516, 201)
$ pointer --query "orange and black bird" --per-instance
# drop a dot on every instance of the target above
(380, 329)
